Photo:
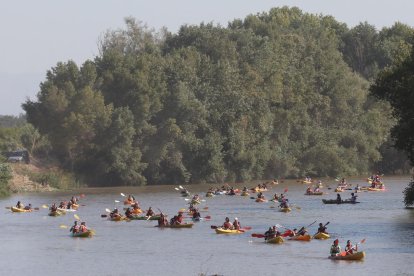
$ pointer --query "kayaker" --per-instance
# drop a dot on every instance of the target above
(19, 205)
(322, 228)
(131, 198)
(302, 231)
(232, 192)
(353, 197)
(269, 233)
(244, 189)
(284, 203)
(316, 190)
(227, 224)
(196, 215)
(74, 200)
(83, 227)
(308, 190)
(338, 198)
(69, 205)
(128, 213)
(62, 205)
(335, 248)
(28, 207)
(236, 224)
(75, 227)
(177, 219)
(357, 188)
(53, 208)
(114, 213)
(349, 248)
(260, 195)
(162, 221)
(136, 207)
(275, 197)
(150, 212)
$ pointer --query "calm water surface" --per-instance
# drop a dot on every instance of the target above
(34, 244)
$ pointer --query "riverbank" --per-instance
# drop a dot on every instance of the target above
(30, 178)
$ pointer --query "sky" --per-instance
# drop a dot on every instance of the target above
(35, 35)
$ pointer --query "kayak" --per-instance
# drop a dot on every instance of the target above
(66, 210)
(75, 206)
(338, 190)
(244, 194)
(261, 200)
(86, 234)
(256, 190)
(300, 238)
(376, 189)
(228, 231)
(184, 225)
(314, 193)
(277, 239)
(305, 182)
(19, 210)
(352, 257)
(209, 194)
(118, 218)
(321, 236)
(56, 213)
(334, 201)
(285, 210)
(144, 218)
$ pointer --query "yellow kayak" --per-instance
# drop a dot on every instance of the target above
(321, 236)
(352, 257)
(244, 194)
(277, 239)
(19, 210)
(228, 231)
(56, 213)
(285, 210)
(184, 225)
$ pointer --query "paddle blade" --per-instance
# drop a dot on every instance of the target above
(205, 208)
(176, 189)
(247, 228)
(362, 241)
(82, 195)
(45, 206)
(122, 194)
(104, 216)
(286, 190)
(258, 235)
(186, 199)
(181, 187)
(181, 210)
(213, 227)
(207, 217)
(117, 201)
(63, 226)
(76, 216)
(107, 210)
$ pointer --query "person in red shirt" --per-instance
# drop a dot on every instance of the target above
(83, 227)
(227, 224)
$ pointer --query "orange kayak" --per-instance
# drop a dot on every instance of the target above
(301, 238)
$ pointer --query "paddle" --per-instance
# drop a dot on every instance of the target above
(117, 201)
(258, 236)
(176, 189)
(122, 194)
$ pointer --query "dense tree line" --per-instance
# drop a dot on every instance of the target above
(277, 94)
(396, 86)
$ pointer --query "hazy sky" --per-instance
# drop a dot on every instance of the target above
(36, 34)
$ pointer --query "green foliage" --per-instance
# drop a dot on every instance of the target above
(5, 176)
(273, 95)
(409, 194)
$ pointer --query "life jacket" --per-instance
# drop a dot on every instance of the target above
(83, 228)
(236, 225)
(335, 249)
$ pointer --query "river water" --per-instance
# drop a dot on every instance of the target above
(34, 244)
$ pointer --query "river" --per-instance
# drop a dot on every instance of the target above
(35, 244)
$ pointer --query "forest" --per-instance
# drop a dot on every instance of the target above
(280, 94)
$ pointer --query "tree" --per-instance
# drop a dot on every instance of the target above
(396, 85)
